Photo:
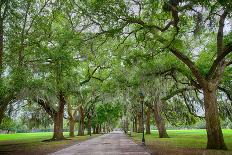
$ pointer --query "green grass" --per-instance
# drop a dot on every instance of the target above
(27, 143)
(27, 136)
(183, 140)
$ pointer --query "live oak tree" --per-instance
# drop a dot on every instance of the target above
(16, 20)
(54, 60)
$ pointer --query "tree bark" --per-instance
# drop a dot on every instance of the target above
(100, 128)
(89, 124)
(81, 122)
(214, 132)
(94, 130)
(3, 108)
(1, 47)
(135, 125)
(159, 120)
(148, 116)
(140, 128)
(71, 127)
(58, 119)
(97, 129)
(104, 128)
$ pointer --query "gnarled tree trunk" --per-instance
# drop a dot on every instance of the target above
(214, 131)
(159, 120)
(148, 129)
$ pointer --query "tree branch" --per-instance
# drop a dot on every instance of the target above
(89, 76)
(172, 94)
(45, 105)
(226, 51)
(220, 33)
(189, 108)
(190, 65)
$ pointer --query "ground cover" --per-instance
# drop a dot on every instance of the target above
(183, 142)
(32, 143)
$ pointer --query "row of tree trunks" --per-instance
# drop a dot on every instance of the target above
(98, 129)
(159, 121)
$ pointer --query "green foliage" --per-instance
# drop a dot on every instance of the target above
(8, 124)
(177, 113)
(108, 113)
(102, 53)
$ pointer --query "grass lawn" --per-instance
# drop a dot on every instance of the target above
(183, 142)
(31, 143)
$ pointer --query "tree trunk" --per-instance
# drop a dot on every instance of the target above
(140, 128)
(100, 128)
(159, 120)
(58, 120)
(89, 125)
(2, 105)
(81, 122)
(136, 125)
(148, 129)
(1, 46)
(97, 129)
(104, 128)
(94, 130)
(213, 127)
(71, 127)
(3, 108)
(133, 125)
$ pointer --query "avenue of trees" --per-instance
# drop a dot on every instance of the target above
(84, 64)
